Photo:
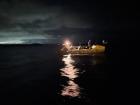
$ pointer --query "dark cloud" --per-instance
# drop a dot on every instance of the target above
(22, 20)
(41, 18)
(47, 17)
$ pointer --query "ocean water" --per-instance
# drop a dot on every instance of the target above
(40, 75)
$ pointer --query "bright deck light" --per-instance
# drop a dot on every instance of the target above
(67, 42)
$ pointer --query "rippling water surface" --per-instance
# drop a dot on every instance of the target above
(38, 75)
(71, 89)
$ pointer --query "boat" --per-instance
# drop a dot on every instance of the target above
(95, 49)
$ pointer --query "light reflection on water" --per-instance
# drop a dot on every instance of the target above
(71, 72)
(71, 89)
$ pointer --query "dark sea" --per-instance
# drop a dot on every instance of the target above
(40, 75)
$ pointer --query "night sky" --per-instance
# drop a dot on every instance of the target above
(24, 21)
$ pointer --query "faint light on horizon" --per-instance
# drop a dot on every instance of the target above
(12, 42)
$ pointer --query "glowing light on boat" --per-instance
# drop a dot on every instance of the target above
(67, 42)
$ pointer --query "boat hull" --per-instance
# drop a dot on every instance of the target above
(99, 49)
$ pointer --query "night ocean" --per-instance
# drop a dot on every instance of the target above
(33, 69)
(32, 74)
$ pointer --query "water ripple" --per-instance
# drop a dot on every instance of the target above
(72, 89)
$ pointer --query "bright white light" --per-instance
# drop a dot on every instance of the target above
(67, 42)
